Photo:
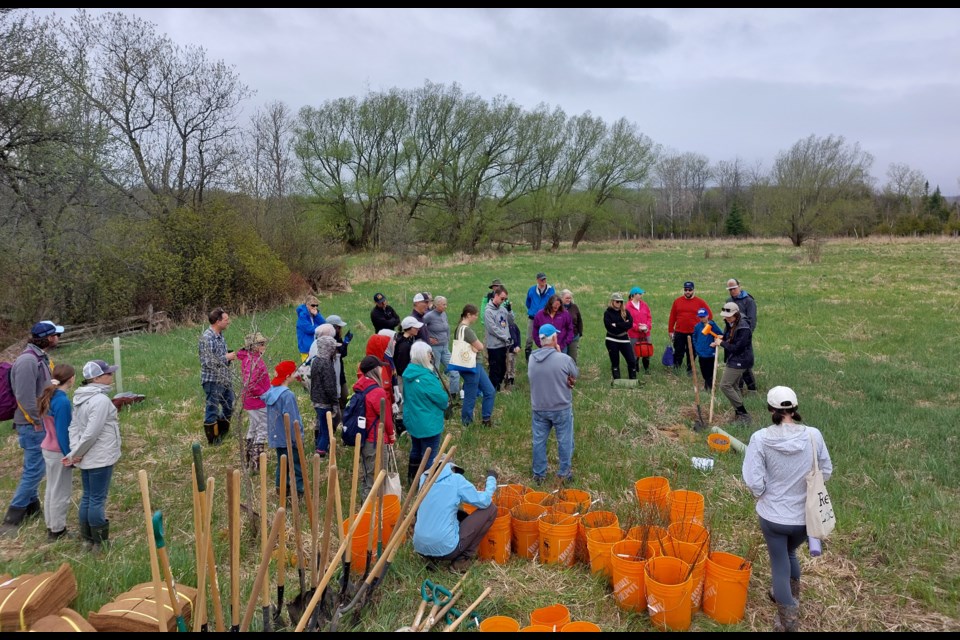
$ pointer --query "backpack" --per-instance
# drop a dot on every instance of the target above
(8, 401)
(356, 408)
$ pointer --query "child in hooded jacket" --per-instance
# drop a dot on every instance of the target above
(280, 401)
(256, 382)
(370, 382)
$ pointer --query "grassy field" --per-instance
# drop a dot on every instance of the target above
(865, 332)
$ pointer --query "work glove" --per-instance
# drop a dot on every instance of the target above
(493, 473)
(508, 306)
(347, 338)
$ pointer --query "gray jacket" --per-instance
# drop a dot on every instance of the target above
(95, 429)
(748, 308)
(775, 469)
(28, 377)
(548, 371)
(496, 322)
(438, 326)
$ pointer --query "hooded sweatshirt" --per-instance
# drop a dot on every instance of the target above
(306, 326)
(323, 376)
(775, 467)
(548, 370)
(437, 531)
(256, 379)
(280, 400)
(95, 430)
(424, 400)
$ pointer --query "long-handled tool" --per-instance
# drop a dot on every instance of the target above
(200, 601)
(325, 580)
(233, 527)
(699, 424)
(295, 606)
(264, 550)
(345, 594)
(279, 522)
(445, 601)
(168, 574)
(708, 331)
(374, 533)
(379, 571)
(154, 561)
(466, 613)
(211, 560)
(282, 557)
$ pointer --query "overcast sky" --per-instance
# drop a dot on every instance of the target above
(724, 83)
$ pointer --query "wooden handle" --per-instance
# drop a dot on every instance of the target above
(328, 516)
(282, 562)
(151, 541)
(200, 601)
(265, 591)
(466, 614)
(315, 523)
(234, 522)
(279, 521)
(304, 467)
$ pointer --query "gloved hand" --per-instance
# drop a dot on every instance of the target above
(347, 338)
(508, 306)
(493, 472)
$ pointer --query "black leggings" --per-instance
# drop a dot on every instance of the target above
(615, 350)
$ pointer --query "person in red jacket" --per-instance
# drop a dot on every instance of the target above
(371, 367)
(683, 318)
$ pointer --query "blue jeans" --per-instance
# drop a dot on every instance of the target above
(441, 354)
(219, 402)
(323, 434)
(782, 542)
(34, 468)
(418, 447)
(296, 468)
(96, 486)
(562, 422)
(472, 384)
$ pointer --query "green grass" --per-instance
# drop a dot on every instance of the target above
(866, 336)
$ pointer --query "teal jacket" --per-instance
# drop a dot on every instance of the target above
(424, 400)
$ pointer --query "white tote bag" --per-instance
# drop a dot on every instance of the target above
(391, 484)
(462, 356)
(820, 516)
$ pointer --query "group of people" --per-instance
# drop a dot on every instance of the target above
(58, 435)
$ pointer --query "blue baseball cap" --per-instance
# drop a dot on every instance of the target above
(634, 291)
(45, 329)
(547, 330)
(701, 313)
(688, 284)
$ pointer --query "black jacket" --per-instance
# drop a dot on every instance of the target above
(738, 348)
(385, 318)
(615, 325)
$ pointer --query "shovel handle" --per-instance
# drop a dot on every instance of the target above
(468, 611)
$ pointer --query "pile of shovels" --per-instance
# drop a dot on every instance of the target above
(321, 599)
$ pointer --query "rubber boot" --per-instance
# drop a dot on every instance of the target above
(100, 535)
(34, 509)
(210, 430)
(223, 427)
(412, 471)
(788, 618)
(86, 536)
(12, 521)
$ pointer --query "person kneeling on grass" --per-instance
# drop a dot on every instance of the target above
(443, 531)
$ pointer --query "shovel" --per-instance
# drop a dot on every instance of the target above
(699, 424)
(295, 607)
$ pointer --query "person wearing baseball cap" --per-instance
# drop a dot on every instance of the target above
(421, 304)
(256, 382)
(410, 330)
(29, 375)
(617, 321)
(683, 318)
(552, 375)
(737, 343)
(642, 325)
(280, 401)
(537, 296)
(706, 354)
(775, 466)
(370, 383)
(94, 449)
(748, 307)
(383, 316)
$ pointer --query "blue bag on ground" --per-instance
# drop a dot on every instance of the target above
(667, 359)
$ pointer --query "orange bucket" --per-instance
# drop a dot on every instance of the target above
(581, 625)
(358, 543)
(391, 513)
(654, 535)
(593, 520)
(554, 616)
(567, 508)
(537, 628)
(652, 495)
(499, 623)
(536, 497)
(696, 557)
(725, 584)
(689, 536)
(685, 505)
(558, 539)
(525, 529)
(496, 544)
(668, 593)
(510, 495)
(599, 543)
(627, 559)
(582, 498)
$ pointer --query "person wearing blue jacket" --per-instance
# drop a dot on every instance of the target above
(57, 411)
(444, 532)
(537, 296)
(424, 404)
(280, 400)
(308, 319)
(706, 354)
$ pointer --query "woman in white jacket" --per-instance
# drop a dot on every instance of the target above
(775, 467)
(94, 449)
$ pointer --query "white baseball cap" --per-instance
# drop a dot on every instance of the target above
(410, 323)
(782, 398)
(97, 368)
(730, 309)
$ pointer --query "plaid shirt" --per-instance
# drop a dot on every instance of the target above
(213, 359)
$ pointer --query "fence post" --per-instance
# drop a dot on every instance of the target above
(118, 377)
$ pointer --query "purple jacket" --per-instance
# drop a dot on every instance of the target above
(562, 321)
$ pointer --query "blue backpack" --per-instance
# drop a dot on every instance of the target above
(356, 408)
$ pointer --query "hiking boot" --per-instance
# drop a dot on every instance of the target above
(788, 618)
(461, 564)
(794, 591)
(538, 480)
(741, 416)
(12, 521)
(33, 510)
(210, 430)
(566, 480)
(223, 427)
(487, 422)
(99, 538)
(86, 536)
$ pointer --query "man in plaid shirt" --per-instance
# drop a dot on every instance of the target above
(215, 377)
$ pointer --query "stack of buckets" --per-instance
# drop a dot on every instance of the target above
(361, 537)
(544, 620)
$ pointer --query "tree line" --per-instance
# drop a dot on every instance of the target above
(128, 177)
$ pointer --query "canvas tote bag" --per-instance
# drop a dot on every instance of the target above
(462, 357)
(820, 516)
